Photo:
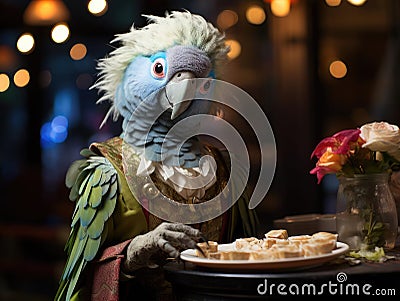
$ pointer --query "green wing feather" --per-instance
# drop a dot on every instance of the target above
(94, 189)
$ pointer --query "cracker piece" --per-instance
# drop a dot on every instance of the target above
(278, 233)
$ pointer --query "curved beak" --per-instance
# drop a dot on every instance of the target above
(179, 93)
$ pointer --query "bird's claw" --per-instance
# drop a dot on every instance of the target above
(201, 251)
(204, 239)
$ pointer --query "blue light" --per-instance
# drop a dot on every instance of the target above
(66, 103)
(45, 131)
(58, 136)
(60, 121)
(55, 131)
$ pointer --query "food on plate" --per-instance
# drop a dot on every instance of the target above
(249, 243)
(276, 245)
(298, 240)
(206, 247)
(279, 233)
(269, 254)
(287, 251)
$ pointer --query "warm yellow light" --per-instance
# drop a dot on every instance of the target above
(25, 43)
(97, 7)
(45, 12)
(255, 15)
(333, 2)
(338, 69)
(227, 18)
(78, 52)
(21, 78)
(357, 2)
(235, 49)
(280, 8)
(60, 33)
(4, 82)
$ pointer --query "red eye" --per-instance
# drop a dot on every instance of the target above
(158, 68)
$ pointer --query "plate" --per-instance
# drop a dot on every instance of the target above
(276, 264)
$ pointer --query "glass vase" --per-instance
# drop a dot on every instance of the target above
(366, 214)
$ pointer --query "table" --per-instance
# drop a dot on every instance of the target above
(336, 278)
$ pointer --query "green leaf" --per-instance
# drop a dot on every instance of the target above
(378, 254)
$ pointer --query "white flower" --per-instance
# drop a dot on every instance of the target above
(382, 137)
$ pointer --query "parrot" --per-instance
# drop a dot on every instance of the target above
(115, 237)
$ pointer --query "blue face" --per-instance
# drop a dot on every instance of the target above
(142, 77)
(145, 75)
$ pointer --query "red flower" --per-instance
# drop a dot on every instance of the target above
(340, 143)
(329, 162)
(320, 171)
(332, 152)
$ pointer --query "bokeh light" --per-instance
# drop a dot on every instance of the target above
(25, 43)
(255, 15)
(21, 78)
(333, 2)
(227, 18)
(4, 82)
(60, 33)
(235, 48)
(280, 8)
(55, 131)
(357, 2)
(338, 69)
(78, 52)
(97, 7)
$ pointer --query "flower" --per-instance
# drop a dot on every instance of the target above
(373, 148)
(382, 137)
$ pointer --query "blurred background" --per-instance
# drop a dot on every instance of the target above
(315, 67)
